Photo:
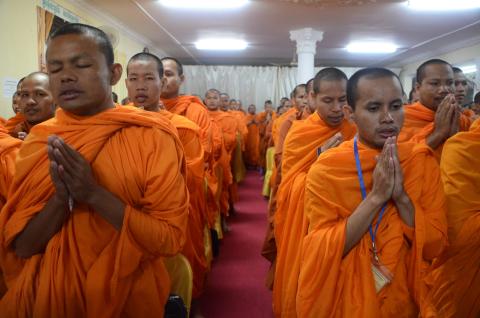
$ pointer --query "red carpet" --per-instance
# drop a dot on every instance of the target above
(236, 284)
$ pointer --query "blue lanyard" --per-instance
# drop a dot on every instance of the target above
(373, 233)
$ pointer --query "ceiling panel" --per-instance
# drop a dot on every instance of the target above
(265, 25)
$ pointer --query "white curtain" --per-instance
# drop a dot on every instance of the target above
(250, 84)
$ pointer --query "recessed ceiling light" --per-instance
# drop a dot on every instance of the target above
(221, 44)
(443, 5)
(204, 4)
(468, 69)
(371, 47)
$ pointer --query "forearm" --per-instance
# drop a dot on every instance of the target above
(359, 221)
(38, 232)
(111, 208)
(157, 236)
(434, 140)
(406, 210)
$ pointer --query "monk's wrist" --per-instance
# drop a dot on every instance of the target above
(435, 139)
(60, 199)
(375, 199)
(402, 199)
(406, 209)
(94, 195)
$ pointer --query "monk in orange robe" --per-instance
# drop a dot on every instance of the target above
(8, 152)
(264, 118)
(35, 103)
(310, 100)
(238, 164)
(229, 132)
(461, 87)
(12, 122)
(252, 143)
(293, 113)
(376, 213)
(16, 97)
(185, 105)
(282, 126)
(144, 85)
(234, 165)
(476, 104)
(280, 129)
(437, 115)
(92, 211)
(216, 165)
(325, 128)
(240, 116)
(455, 281)
(194, 109)
(300, 98)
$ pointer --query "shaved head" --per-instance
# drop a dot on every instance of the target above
(100, 37)
(143, 56)
(421, 69)
(36, 100)
(328, 74)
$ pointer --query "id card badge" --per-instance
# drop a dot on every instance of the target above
(381, 275)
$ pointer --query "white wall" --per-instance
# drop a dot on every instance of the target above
(18, 22)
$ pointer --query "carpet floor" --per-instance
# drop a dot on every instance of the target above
(236, 285)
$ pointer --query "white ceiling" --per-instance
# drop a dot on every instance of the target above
(265, 25)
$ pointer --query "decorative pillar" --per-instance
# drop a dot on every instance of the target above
(306, 39)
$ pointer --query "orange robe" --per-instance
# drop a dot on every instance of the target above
(238, 165)
(252, 143)
(289, 223)
(455, 282)
(419, 124)
(268, 134)
(8, 152)
(289, 115)
(241, 125)
(468, 112)
(279, 121)
(269, 250)
(24, 126)
(3, 121)
(263, 120)
(194, 248)
(192, 108)
(89, 269)
(331, 285)
(214, 184)
(229, 130)
(12, 123)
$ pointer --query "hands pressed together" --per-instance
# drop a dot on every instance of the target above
(70, 172)
(446, 121)
(388, 181)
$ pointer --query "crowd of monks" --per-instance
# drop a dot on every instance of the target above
(373, 199)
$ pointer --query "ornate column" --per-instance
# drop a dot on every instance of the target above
(306, 39)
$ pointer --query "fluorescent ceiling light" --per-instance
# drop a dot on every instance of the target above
(468, 69)
(221, 44)
(371, 47)
(443, 5)
(204, 4)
